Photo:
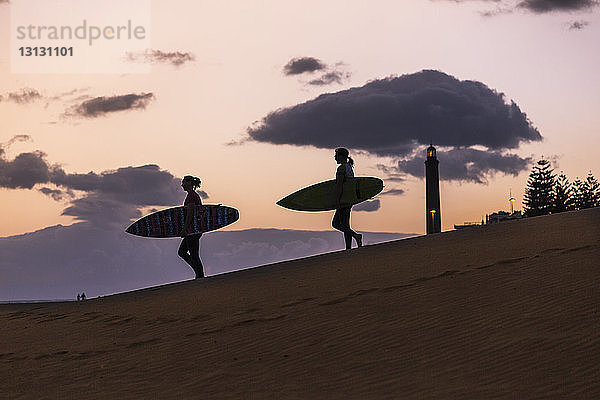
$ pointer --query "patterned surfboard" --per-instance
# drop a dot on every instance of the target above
(321, 196)
(169, 222)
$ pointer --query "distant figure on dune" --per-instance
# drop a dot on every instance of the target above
(78, 297)
(189, 248)
(83, 296)
(341, 218)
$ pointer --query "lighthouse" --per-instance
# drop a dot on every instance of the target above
(433, 216)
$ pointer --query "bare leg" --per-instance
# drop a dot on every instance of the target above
(341, 222)
(358, 239)
(189, 250)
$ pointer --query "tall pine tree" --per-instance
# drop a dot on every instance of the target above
(586, 193)
(579, 194)
(539, 194)
(563, 194)
(592, 194)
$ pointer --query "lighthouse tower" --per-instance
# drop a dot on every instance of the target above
(433, 216)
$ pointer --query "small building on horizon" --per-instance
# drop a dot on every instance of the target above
(502, 216)
(495, 218)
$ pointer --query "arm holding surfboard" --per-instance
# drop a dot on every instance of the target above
(189, 213)
(191, 201)
(189, 217)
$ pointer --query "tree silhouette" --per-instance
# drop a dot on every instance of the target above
(593, 188)
(539, 194)
(563, 194)
(587, 192)
(578, 194)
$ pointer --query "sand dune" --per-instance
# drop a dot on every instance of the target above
(504, 311)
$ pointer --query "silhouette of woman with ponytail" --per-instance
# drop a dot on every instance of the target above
(189, 249)
(341, 218)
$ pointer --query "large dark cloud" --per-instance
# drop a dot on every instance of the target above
(144, 185)
(468, 165)
(116, 196)
(112, 196)
(102, 211)
(100, 106)
(398, 115)
(388, 117)
(153, 56)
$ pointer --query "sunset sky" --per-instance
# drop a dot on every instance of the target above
(232, 97)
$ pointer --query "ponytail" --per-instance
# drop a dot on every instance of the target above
(350, 161)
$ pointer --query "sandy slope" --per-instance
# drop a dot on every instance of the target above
(504, 311)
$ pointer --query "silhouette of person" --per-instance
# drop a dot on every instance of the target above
(189, 248)
(82, 296)
(78, 297)
(341, 218)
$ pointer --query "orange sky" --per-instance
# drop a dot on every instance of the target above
(236, 79)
